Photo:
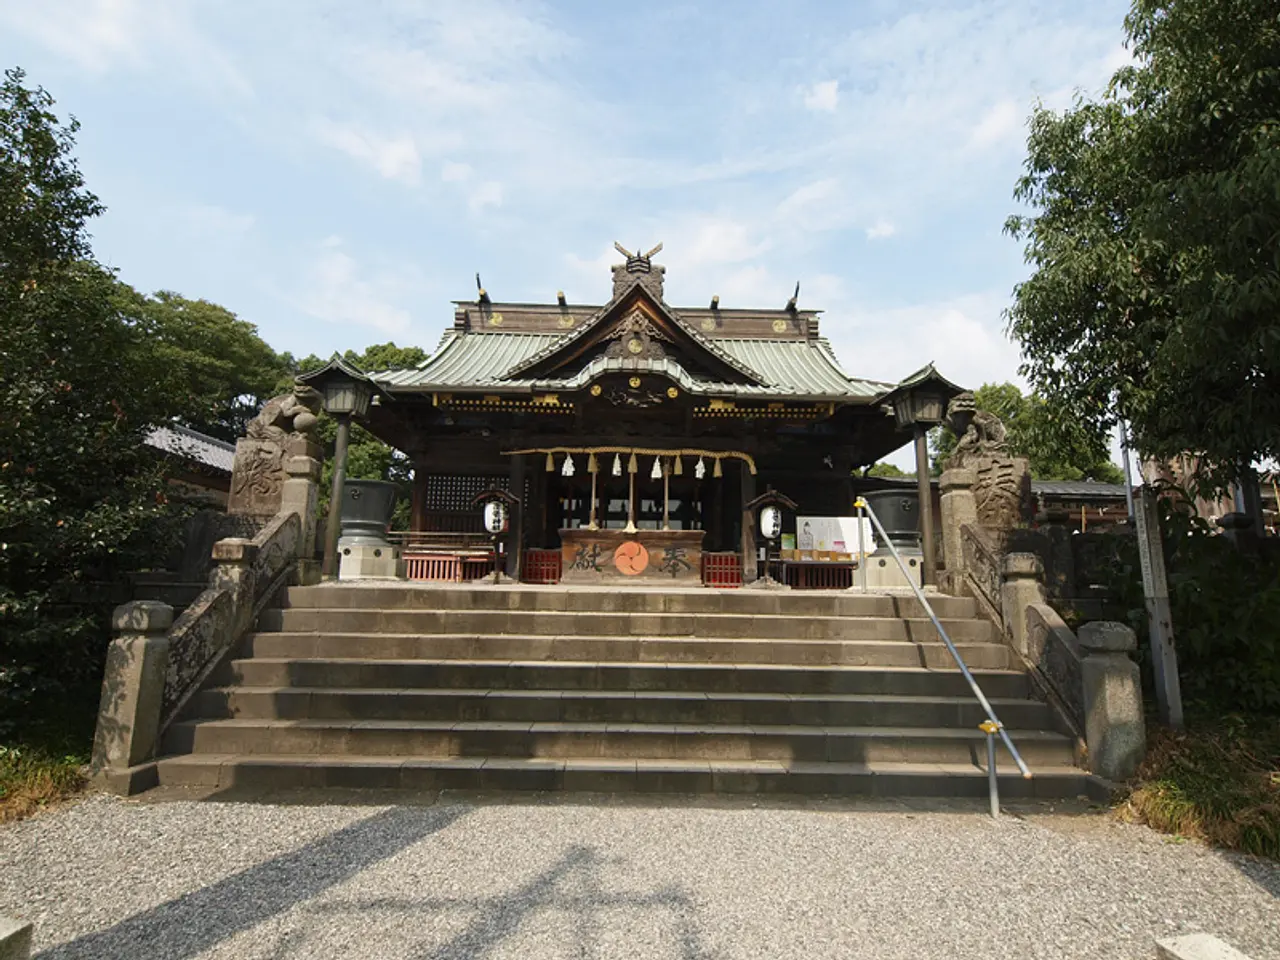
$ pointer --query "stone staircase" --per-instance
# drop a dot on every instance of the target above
(523, 688)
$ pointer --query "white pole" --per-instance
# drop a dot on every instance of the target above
(1155, 591)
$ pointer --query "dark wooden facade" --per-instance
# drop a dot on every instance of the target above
(756, 396)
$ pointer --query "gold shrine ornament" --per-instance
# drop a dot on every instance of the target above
(779, 326)
(635, 383)
(672, 392)
(595, 389)
(635, 346)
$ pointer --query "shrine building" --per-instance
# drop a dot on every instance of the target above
(634, 433)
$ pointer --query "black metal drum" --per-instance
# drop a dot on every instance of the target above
(366, 510)
(898, 511)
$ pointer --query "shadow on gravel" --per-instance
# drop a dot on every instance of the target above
(571, 886)
(197, 921)
(1264, 873)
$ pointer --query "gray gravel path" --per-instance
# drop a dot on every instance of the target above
(550, 878)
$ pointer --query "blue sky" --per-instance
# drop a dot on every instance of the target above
(336, 173)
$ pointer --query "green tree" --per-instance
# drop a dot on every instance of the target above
(1155, 238)
(80, 499)
(887, 470)
(1056, 449)
(220, 371)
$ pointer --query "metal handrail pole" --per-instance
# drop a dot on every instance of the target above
(951, 647)
(862, 549)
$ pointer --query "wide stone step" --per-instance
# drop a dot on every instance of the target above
(493, 623)
(793, 603)
(627, 741)
(868, 779)
(592, 675)
(609, 706)
(410, 646)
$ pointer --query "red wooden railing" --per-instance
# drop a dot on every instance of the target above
(721, 570)
(541, 566)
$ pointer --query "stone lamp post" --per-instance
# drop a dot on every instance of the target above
(347, 393)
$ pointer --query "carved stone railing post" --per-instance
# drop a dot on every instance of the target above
(1115, 727)
(301, 495)
(235, 558)
(958, 508)
(1020, 587)
(132, 691)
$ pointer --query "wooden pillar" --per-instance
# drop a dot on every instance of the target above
(536, 512)
(747, 484)
(418, 499)
(515, 537)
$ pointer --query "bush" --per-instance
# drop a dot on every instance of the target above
(1218, 782)
(1225, 606)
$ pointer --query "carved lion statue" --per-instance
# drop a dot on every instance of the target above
(296, 412)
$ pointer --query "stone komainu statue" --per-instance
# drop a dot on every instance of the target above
(258, 475)
(1001, 486)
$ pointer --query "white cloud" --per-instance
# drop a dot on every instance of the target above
(337, 292)
(881, 229)
(824, 96)
(803, 200)
(999, 123)
(99, 36)
(394, 157)
(455, 172)
(487, 194)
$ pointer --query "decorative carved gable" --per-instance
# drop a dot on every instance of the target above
(639, 327)
(637, 337)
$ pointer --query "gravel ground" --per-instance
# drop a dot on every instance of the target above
(551, 877)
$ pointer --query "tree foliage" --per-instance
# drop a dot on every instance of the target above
(1155, 239)
(888, 471)
(1056, 448)
(88, 367)
(221, 371)
(79, 497)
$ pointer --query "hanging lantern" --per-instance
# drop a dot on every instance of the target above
(567, 469)
(716, 472)
(551, 463)
(592, 465)
(632, 465)
(700, 469)
(679, 470)
(617, 465)
(656, 472)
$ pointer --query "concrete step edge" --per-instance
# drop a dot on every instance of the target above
(634, 728)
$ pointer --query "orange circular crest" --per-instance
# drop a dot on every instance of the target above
(631, 558)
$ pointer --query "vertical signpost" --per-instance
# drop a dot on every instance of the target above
(1155, 588)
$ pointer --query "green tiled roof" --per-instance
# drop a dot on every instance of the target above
(786, 368)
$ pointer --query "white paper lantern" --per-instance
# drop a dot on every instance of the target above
(770, 522)
(495, 516)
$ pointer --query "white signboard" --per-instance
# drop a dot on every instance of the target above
(837, 534)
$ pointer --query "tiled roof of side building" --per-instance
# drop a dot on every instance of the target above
(193, 445)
